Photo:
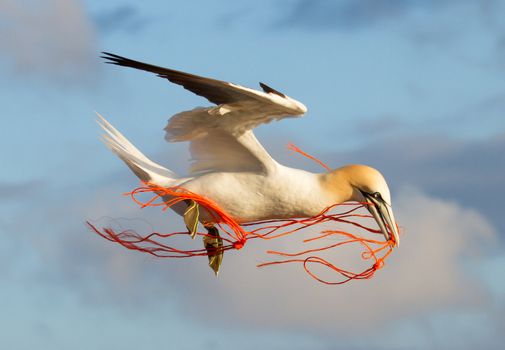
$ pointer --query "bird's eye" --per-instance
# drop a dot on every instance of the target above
(376, 195)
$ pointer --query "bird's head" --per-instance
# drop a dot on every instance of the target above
(362, 183)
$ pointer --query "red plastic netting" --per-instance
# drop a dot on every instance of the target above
(235, 235)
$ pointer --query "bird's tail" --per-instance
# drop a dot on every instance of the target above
(143, 167)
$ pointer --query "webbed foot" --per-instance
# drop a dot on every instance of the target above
(191, 216)
(214, 244)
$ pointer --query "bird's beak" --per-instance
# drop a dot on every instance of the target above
(383, 214)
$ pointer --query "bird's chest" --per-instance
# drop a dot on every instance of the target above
(249, 197)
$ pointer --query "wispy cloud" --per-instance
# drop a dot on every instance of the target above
(17, 191)
(353, 15)
(439, 24)
(53, 39)
(465, 171)
(438, 235)
(424, 276)
(123, 18)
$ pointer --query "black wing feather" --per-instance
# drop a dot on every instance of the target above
(216, 91)
(270, 90)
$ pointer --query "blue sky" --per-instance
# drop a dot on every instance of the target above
(414, 88)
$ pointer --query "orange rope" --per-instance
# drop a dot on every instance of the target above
(235, 234)
(296, 149)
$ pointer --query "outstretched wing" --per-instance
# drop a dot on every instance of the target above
(221, 137)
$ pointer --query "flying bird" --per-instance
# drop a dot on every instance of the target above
(231, 167)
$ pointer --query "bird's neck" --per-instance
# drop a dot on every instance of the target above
(336, 183)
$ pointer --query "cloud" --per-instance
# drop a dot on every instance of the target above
(17, 191)
(443, 25)
(53, 39)
(76, 259)
(425, 275)
(353, 15)
(431, 274)
(123, 18)
(469, 172)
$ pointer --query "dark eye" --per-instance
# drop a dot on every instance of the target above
(376, 195)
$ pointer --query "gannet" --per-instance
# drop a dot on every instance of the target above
(231, 167)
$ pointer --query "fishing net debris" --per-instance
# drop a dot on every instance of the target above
(235, 236)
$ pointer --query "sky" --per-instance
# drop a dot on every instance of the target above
(414, 88)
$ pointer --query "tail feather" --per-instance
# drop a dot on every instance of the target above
(143, 167)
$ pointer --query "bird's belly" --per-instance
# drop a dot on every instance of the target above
(249, 197)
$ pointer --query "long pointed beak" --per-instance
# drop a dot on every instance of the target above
(383, 214)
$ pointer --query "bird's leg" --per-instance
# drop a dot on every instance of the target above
(214, 245)
(191, 216)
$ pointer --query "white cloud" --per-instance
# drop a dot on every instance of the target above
(428, 272)
(52, 38)
(427, 275)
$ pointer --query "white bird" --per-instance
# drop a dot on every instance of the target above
(232, 168)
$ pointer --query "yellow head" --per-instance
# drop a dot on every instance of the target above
(362, 183)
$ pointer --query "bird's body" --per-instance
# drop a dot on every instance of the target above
(279, 194)
(231, 167)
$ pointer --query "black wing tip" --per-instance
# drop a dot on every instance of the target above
(270, 90)
(113, 59)
(110, 55)
(120, 60)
